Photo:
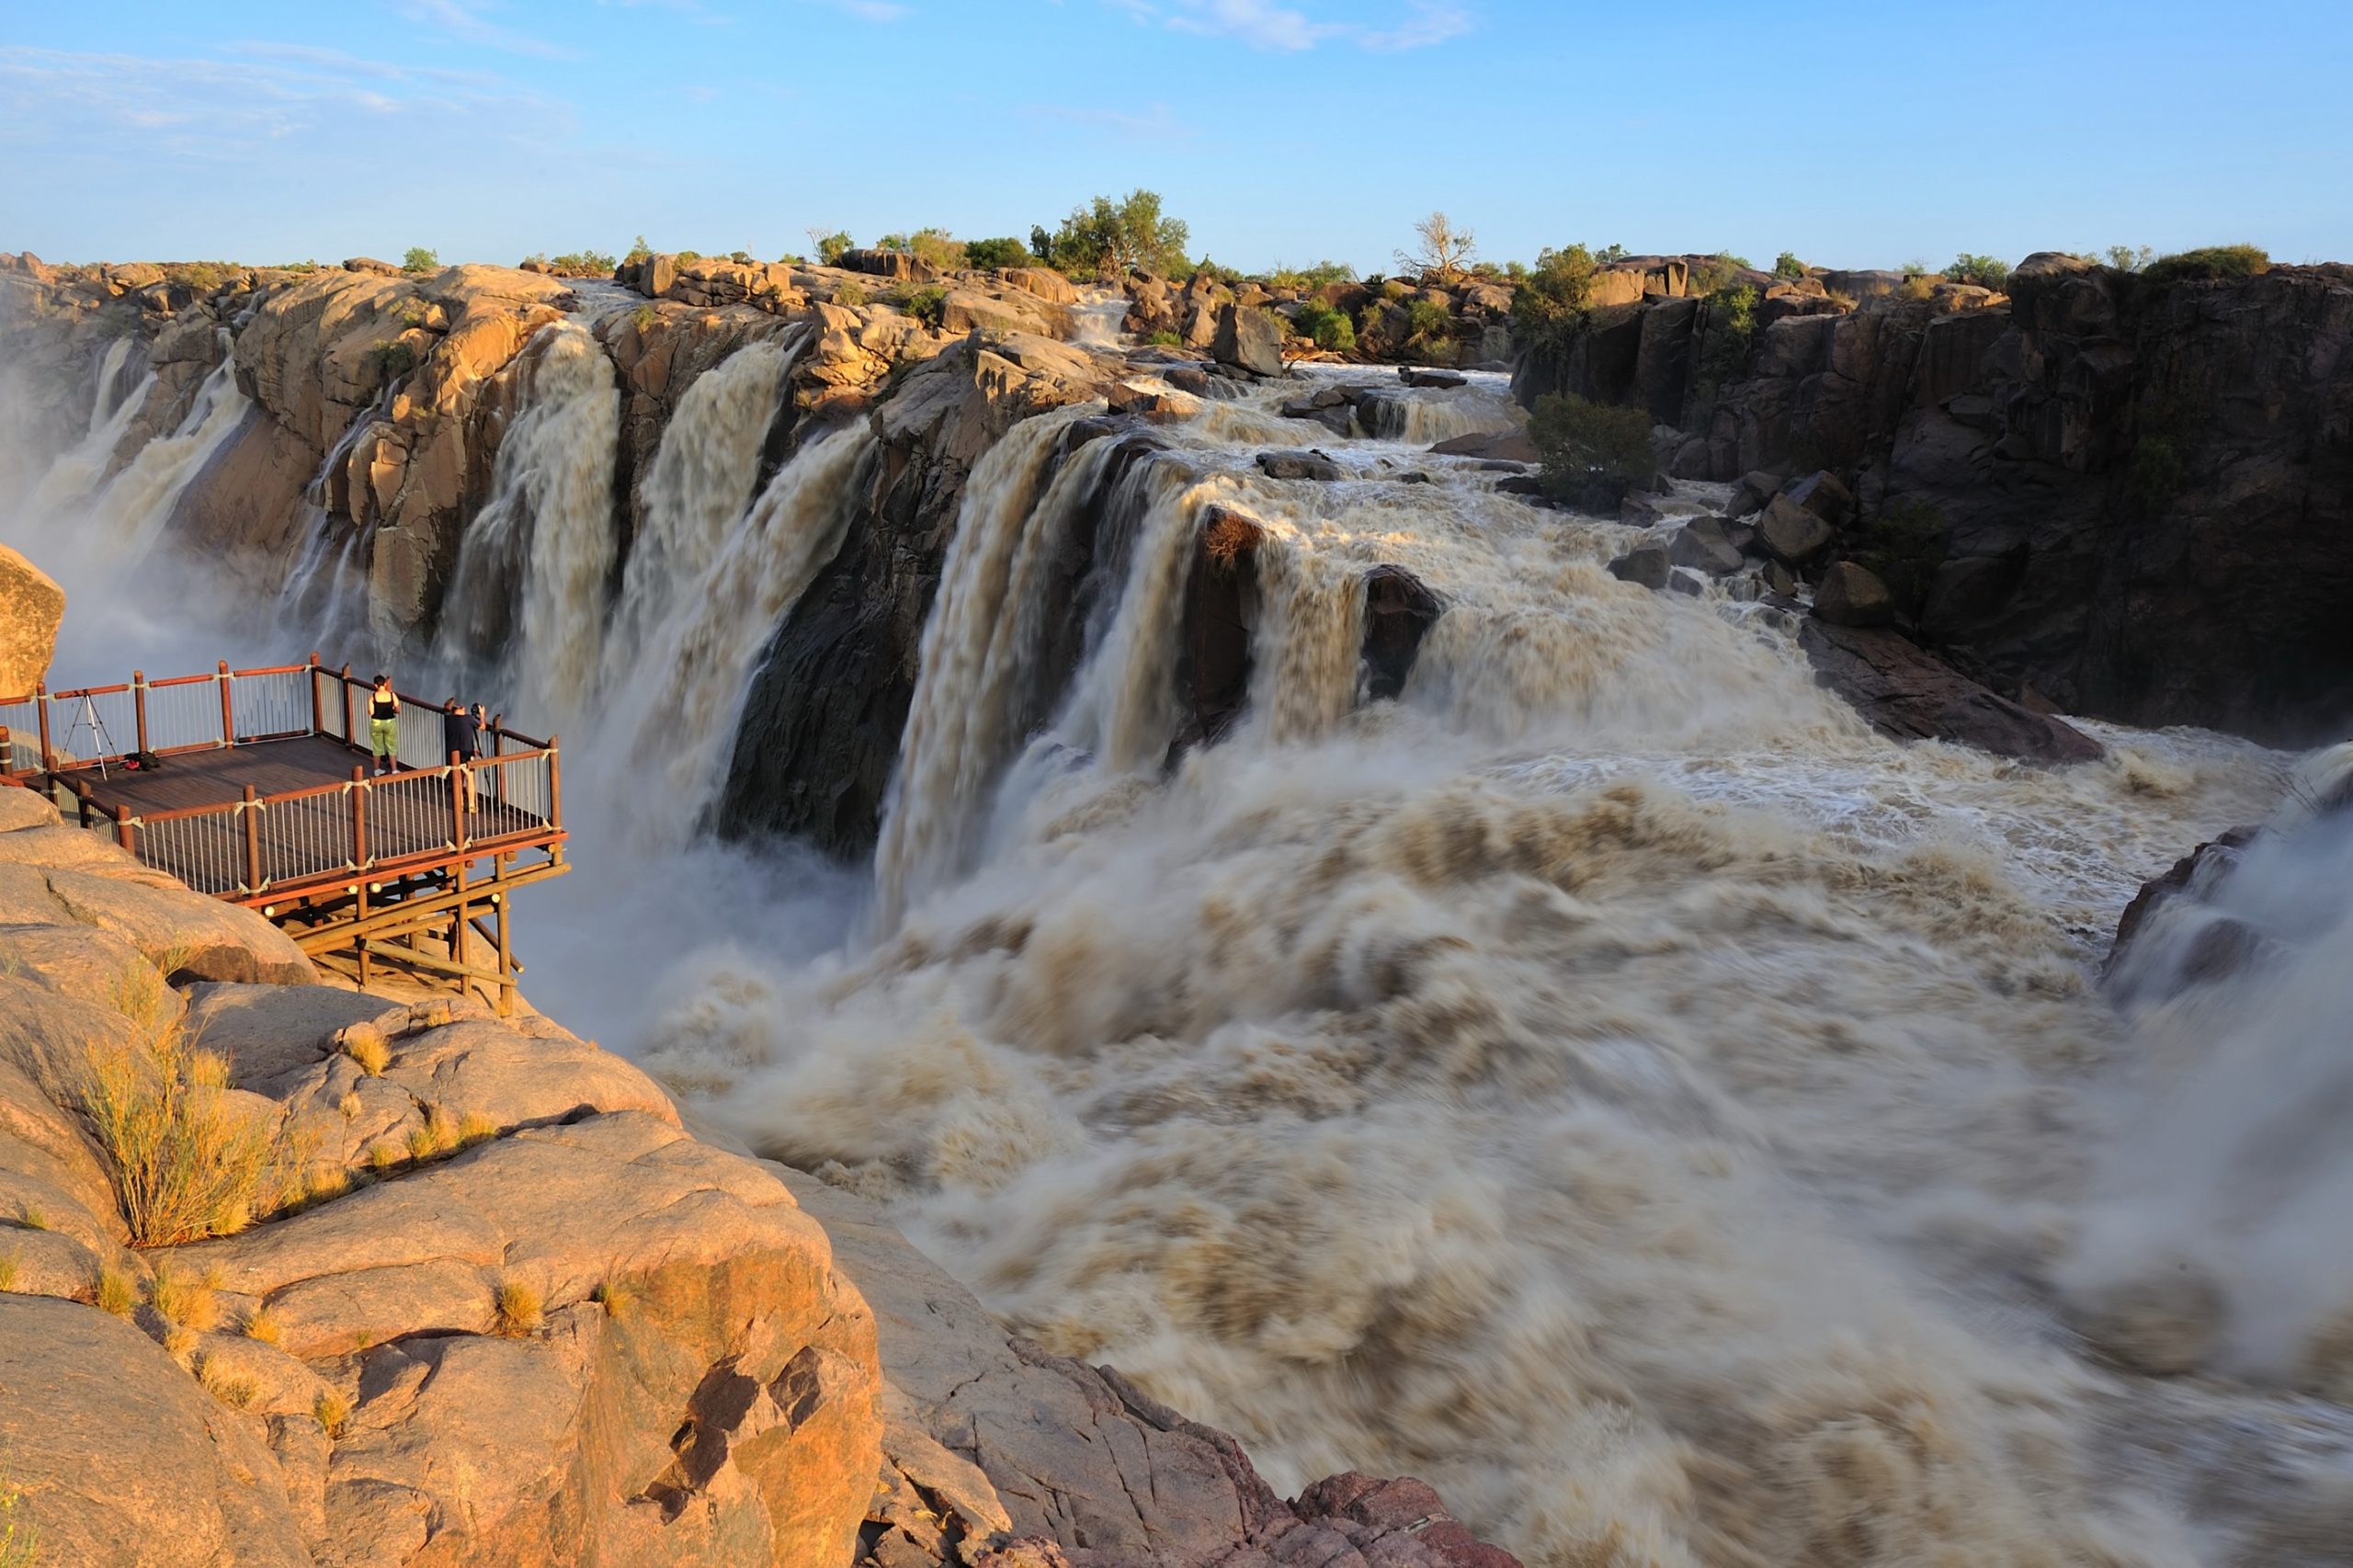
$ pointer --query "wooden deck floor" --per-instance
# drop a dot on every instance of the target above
(211, 778)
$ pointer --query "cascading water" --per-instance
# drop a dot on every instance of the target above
(1607, 1082)
(528, 593)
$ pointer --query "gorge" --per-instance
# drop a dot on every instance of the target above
(1415, 975)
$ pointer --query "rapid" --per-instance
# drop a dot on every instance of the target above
(1606, 1080)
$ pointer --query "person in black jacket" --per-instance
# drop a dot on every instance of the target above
(462, 738)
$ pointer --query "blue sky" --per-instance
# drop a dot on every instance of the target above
(1282, 130)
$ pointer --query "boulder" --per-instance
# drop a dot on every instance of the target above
(1398, 610)
(31, 609)
(1336, 418)
(1249, 339)
(1907, 693)
(1505, 446)
(2212, 946)
(1822, 494)
(1750, 495)
(1851, 595)
(1647, 565)
(1439, 380)
(893, 264)
(1705, 544)
(1299, 465)
(369, 265)
(1790, 534)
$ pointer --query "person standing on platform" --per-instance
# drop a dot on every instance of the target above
(462, 738)
(384, 725)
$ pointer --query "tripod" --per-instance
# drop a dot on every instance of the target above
(89, 719)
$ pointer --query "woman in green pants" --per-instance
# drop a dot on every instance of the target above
(384, 724)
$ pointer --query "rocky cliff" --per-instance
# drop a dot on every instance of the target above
(2131, 496)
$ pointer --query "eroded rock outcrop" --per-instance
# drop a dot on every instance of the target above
(31, 609)
(500, 1307)
(1907, 693)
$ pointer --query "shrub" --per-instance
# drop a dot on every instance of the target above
(517, 1307)
(203, 277)
(643, 318)
(1904, 545)
(1164, 339)
(937, 249)
(1730, 330)
(1592, 453)
(1717, 273)
(1550, 305)
(928, 305)
(418, 259)
(1429, 324)
(187, 1160)
(638, 251)
(1611, 254)
(1306, 277)
(1005, 252)
(1787, 267)
(849, 296)
(2125, 258)
(1917, 286)
(1985, 271)
(1331, 329)
(2212, 263)
(392, 359)
(685, 256)
(584, 264)
(1107, 239)
(331, 1411)
(115, 1292)
(830, 246)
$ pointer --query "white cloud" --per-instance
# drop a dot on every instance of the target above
(868, 10)
(1155, 124)
(1264, 24)
(463, 20)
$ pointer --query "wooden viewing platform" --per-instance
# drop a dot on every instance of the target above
(262, 794)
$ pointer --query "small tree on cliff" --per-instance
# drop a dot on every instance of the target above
(829, 246)
(1005, 252)
(1107, 239)
(419, 260)
(1444, 252)
(1551, 300)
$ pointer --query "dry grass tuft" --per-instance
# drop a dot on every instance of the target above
(350, 1106)
(224, 1385)
(185, 1300)
(421, 1146)
(518, 1310)
(383, 1156)
(19, 1545)
(369, 1050)
(116, 1293)
(189, 1159)
(331, 1411)
(178, 1340)
(9, 1267)
(324, 1181)
(617, 1297)
(33, 1217)
(476, 1129)
(441, 1127)
(262, 1323)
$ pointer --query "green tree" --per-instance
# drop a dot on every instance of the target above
(419, 260)
(1550, 303)
(1592, 452)
(1005, 252)
(1107, 239)
(1787, 267)
(1442, 251)
(2125, 258)
(638, 251)
(1985, 271)
(1611, 254)
(937, 248)
(2208, 264)
(830, 246)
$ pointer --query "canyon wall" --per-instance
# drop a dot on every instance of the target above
(2138, 493)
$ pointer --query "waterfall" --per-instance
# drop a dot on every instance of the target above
(137, 501)
(322, 603)
(954, 738)
(528, 598)
(698, 488)
(661, 745)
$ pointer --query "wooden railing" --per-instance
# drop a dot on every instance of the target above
(431, 812)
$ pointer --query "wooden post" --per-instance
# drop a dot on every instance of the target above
(359, 922)
(123, 834)
(505, 947)
(555, 788)
(350, 730)
(138, 702)
(458, 810)
(358, 819)
(251, 815)
(82, 797)
(318, 713)
(40, 709)
(228, 720)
